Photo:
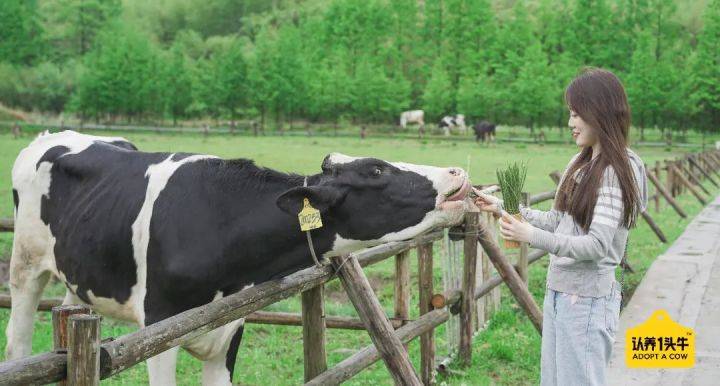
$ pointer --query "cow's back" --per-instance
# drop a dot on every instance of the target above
(77, 196)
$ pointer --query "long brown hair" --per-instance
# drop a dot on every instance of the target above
(599, 98)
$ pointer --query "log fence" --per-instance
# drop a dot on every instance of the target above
(79, 358)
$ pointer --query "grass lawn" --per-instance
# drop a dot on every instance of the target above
(507, 353)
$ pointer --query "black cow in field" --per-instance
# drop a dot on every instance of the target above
(484, 131)
(144, 236)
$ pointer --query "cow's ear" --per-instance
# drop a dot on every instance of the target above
(321, 198)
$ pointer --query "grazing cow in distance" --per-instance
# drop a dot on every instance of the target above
(144, 236)
(450, 122)
(412, 116)
(484, 131)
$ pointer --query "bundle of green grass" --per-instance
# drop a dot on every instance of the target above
(512, 182)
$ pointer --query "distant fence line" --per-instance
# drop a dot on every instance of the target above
(386, 131)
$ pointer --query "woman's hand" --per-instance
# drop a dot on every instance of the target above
(513, 229)
(486, 202)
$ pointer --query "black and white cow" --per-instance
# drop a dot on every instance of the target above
(143, 236)
(484, 131)
(451, 122)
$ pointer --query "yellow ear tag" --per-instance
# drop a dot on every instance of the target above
(309, 217)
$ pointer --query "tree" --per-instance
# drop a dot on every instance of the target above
(532, 95)
(178, 84)
(438, 98)
(73, 25)
(707, 69)
(21, 35)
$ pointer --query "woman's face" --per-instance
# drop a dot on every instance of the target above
(582, 133)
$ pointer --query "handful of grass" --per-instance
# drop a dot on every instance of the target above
(512, 181)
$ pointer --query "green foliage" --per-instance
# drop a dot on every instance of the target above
(362, 61)
(20, 32)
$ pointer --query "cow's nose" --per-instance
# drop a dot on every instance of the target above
(455, 172)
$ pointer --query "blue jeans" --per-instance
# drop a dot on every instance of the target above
(577, 338)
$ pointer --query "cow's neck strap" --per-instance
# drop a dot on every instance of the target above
(309, 239)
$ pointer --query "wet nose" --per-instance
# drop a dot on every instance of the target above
(455, 172)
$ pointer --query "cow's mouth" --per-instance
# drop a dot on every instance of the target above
(458, 193)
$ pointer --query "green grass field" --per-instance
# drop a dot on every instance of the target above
(507, 353)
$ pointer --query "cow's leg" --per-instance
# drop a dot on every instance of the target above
(218, 370)
(27, 282)
(71, 298)
(161, 368)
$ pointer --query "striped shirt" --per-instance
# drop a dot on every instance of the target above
(583, 263)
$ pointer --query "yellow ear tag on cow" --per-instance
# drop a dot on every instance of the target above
(309, 217)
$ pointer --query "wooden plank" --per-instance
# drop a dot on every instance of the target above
(371, 313)
(402, 286)
(511, 278)
(694, 180)
(712, 163)
(555, 175)
(665, 193)
(45, 304)
(467, 304)
(369, 355)
(687, 184)
(6, 225)
(425, 287)
(697, 164)
(313, 320)
(542, 197)
(655, 228)
(83, 358)
(258, 317)
(38, 369)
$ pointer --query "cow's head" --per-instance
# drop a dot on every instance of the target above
(371, 201)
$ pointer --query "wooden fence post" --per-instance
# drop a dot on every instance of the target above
(522, 261)
(480, 304)
(60, 316)
(313, 321)
(657, 189)
(687, 184)
(694, 180)
(425, 286)
(467, 307)
(378, 326)
(655, 228)
(669, 180)
(700, 165)
(668, 196)
(402, 286)
(83, 363)
(489, 299)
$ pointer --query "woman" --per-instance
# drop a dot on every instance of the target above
(601, 193)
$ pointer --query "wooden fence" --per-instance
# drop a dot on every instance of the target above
(80, 358)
